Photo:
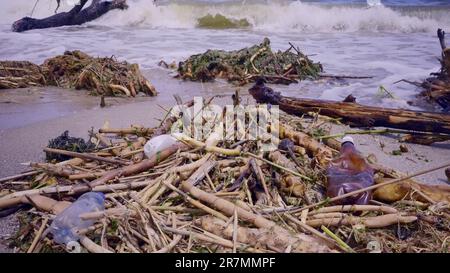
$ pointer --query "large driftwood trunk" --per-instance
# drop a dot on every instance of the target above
(355, 114)
(76, 16)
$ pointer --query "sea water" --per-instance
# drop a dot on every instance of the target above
(389, 40)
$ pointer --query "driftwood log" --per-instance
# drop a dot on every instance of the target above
(355, 114)
(76, 16)
(437, 87)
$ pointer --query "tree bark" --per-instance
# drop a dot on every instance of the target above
(76, 16)
(355, 114)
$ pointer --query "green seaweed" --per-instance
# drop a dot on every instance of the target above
(219, 21)
(248, 64)
(65, 142)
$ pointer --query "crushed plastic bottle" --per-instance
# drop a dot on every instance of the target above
(66, 224)
(349, 172)
(374, 247)
(158, 144)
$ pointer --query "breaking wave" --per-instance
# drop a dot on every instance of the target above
(269, 16)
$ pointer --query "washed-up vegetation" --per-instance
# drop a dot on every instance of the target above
(247, 64)
(75, 69)
(219, 21)
(216, 195)
(437, 87)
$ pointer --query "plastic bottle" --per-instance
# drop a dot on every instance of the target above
(158, 144)
(349, 172)
(66, 224)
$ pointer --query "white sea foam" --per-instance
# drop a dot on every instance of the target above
(351, 40)
(272, 16)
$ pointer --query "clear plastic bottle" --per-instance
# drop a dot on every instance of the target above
(349, 172)
(66, 224)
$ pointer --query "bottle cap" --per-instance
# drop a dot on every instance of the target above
(348, 139)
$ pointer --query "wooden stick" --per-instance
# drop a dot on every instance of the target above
(72, 190)
(338, 240)
(85, 156)
(124, 131)
(370, 222)
(260, 176)
(307, 228)
(93, 247)
(209, 148)
(197, 203)
(328, 215)
(344, 76)
(195, 235)
(171, 245)
(38, 235)
(52, 169)
(235, 230)
(352, 208)
(13, 177)
(177, 209)
(278, 166)
(87, 175)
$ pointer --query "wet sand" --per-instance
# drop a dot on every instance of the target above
(30, 117)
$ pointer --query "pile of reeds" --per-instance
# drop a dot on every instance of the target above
(20, 74)
(75, 69)
(217, 195)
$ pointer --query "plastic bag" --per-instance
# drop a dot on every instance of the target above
(158, 144)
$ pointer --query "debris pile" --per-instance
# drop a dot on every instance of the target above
(75, 69)
(20, 74)
(438, 86)
(248, 64)
(216, 195)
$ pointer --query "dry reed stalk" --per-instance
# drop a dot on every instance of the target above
(353, 208)
(37, 238)
(369, 222)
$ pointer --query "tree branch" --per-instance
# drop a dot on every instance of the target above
(441, 35)
(78, 7)
(76, 16)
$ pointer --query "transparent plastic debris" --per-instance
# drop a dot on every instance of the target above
(374, 247)
(349, 172)
(66, 224)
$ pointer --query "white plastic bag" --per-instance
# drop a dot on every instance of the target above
(158, 144)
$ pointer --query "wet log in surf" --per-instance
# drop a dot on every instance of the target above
(76, 16)
(355, 114)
